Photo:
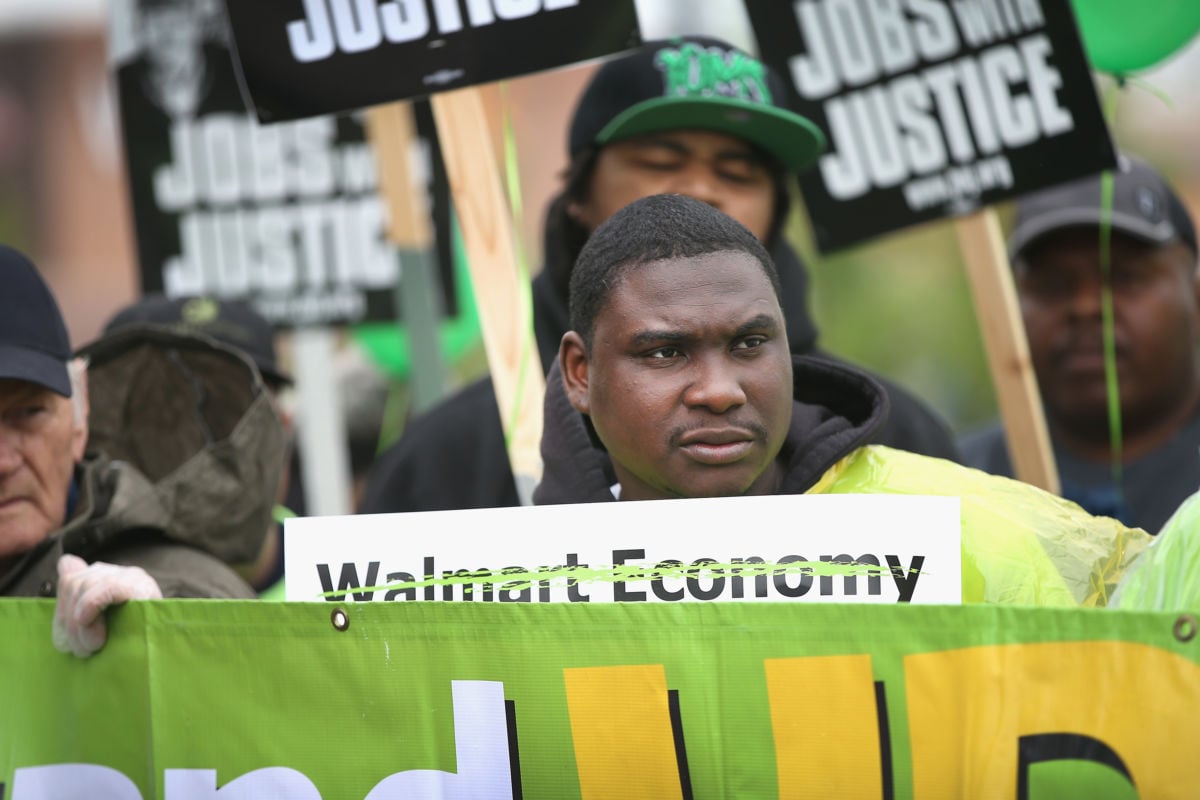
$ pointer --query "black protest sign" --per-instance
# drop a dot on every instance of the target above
(932, 108)
(305, 57)
(288, 217)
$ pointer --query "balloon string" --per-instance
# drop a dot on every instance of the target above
(1112, 385)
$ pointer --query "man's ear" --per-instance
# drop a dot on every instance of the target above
(80, 407)
(573, 362)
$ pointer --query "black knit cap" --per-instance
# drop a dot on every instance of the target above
(693, 82)
(34, 345)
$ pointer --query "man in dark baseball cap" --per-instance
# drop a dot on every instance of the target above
(691, 115)
(1057, 257)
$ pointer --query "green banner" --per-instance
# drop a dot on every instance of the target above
(378, 701)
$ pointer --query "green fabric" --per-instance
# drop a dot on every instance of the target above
(1021, 545)
(1167, 577)
(236, 687)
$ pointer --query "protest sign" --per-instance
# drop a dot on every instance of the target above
(832, 548)
(313, 57)
(935, 108)
(204, 700)
(287, 217)
(298, 59)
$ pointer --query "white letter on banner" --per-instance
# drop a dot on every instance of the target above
(480, 748)
(311, 38)
(278, 783)
(815, 75)
(67, 781)
(516, 9)
(404, 20)
(357, 23)
(933, 29)
(1044, 82)
(449, 20)
(850, 42)
(1015, 117)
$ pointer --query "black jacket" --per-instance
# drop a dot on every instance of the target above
(454, 456)
(836, 410)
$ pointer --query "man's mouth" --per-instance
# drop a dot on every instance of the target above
(9, 502)
(1086, 360)
(716, 447)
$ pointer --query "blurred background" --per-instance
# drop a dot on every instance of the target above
(899, 304)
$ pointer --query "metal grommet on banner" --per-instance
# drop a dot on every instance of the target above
(1185, 628)
(341, 620)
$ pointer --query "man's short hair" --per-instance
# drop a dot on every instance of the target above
(655, 228)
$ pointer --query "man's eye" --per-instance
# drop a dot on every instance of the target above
(658, 164)
(738, 175)
(1128, 276)
(740, 170)
(663, 353)
(750, 342)
(1049, 285)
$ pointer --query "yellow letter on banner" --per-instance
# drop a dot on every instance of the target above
(968, 709)
(621, 726)
(838, 756)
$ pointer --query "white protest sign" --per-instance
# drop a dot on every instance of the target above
(832, 548)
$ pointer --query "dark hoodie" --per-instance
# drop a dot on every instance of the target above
(836, 410)
(454, 456)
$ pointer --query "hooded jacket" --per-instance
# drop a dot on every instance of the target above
(1020, 545)
(454, 456)
(184, 458)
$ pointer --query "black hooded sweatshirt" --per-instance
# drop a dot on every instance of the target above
(835, 410)
(454, 457)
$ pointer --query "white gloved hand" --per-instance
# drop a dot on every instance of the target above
(85, 591)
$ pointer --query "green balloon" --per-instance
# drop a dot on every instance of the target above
(1125, 36)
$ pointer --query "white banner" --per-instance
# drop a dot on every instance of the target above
(831, 548)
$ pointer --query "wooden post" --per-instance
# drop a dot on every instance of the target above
(1007, 349)
(502, 288)
(392, 133)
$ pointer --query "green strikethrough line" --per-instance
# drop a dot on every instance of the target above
(517, 579)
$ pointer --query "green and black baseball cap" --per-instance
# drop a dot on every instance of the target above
(693, 82)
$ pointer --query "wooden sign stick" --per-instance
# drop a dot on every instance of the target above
(501, 289)
(392, 132)
(1007, 349)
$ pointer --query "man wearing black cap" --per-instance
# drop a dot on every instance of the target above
(1056, 253)
(690, 116)
(151, 491)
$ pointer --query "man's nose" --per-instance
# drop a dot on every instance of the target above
(716, 386)
(10, 456)
(1085, 297)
